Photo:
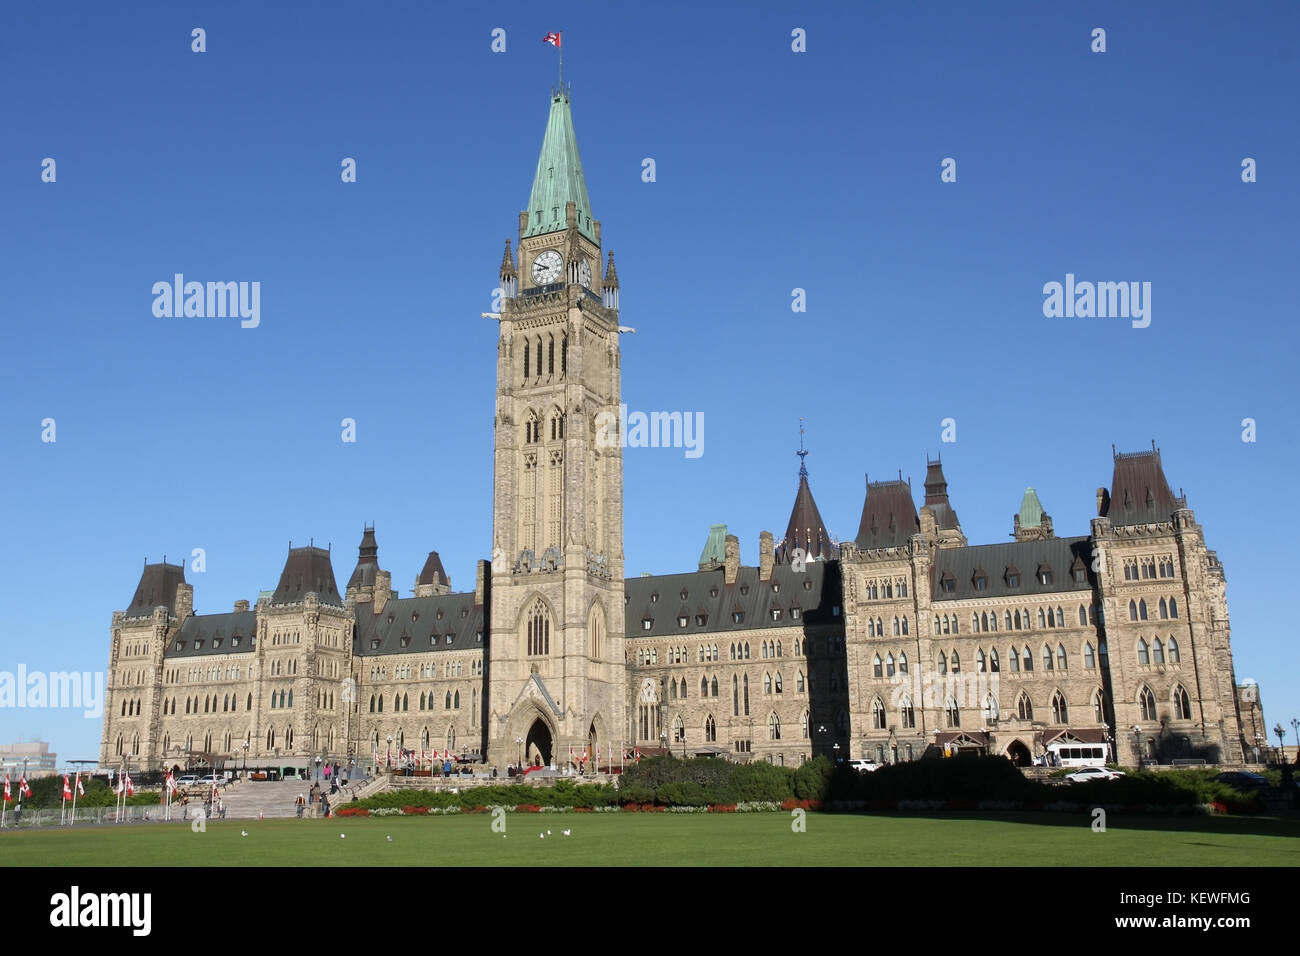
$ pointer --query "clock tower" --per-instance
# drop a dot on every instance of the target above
(555, 667)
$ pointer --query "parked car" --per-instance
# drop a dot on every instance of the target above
(1243, 780)
(1093, 773)
(864, 766)
(189, 780)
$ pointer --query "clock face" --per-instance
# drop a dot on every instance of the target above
(584, 273)
(547, 267)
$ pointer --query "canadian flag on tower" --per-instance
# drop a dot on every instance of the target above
(552, 38)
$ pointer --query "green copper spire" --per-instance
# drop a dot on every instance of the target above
(1031, 510)
(559, 178)
(715, 549)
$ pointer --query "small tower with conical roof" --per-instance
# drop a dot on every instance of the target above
(936, 499)
(1032, 523)
(509, 277)
(806, 530)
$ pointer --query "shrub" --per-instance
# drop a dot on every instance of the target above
(761, 781)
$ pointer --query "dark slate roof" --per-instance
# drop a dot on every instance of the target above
(888, 515)
(1059, 554)
(755, 603)
(1139, 493)
(417, 619)
(433, 572)
(367, 561)
(307, 569)
(157, 586)
(216, 633)
(806, 529)
(936, 497)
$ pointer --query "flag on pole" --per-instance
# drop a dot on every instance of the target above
(636, 752)
(130, 788)
(9, 797)
(552, 38)
(67, 788)
(80, 789)
(171, 782)
(22, 786)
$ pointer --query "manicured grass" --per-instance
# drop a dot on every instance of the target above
(759, 839)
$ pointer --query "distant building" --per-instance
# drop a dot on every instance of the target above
(40, 761)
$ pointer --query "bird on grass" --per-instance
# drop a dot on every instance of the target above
(243, 833)
(568, 833)
(343, 836)
(389, 839)
(541, 836)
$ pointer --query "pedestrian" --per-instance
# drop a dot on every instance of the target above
(324, 806)
(446, 769)
(301, 803)
(327, 771)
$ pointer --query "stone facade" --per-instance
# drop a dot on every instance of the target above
(905, 640)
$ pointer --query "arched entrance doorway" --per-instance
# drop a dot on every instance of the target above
(537, 745)
(1019, 754)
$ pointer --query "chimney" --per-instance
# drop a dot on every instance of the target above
(766, 556)
(731, 560)
(383, 589)
(1103, 500)
(184, 600)
(482, 572)
(241, 606)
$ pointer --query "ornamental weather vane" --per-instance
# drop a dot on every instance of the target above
(802, 453)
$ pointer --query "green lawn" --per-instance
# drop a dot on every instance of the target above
(759, 839)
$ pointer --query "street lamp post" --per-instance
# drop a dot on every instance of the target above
(520, 742)
(1137, 742)
(836, 748)
(388, 757)
(1295, 728)
(1281, 742)
(1259, 738)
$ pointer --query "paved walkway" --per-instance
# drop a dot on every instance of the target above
(274, 798)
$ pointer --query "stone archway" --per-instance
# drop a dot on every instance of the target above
(1018, 754)
(538, 744)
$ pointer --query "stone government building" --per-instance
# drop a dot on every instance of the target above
(904, 640)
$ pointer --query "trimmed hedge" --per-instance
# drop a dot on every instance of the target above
(667, 783)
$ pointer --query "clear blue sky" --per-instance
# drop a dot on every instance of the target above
(775, 170)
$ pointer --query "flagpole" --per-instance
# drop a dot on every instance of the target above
(63, 806)
(75, 788)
